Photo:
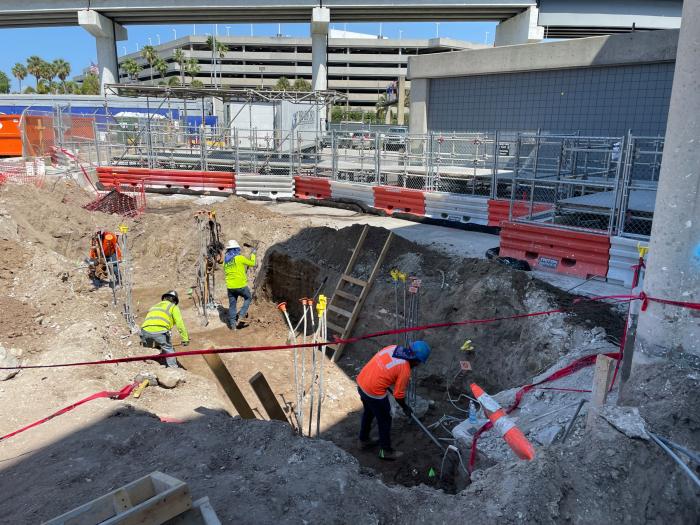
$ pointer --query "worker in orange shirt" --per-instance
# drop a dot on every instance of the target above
(112, 256)
(391, 366)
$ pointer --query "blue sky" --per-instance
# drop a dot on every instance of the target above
(77, 47)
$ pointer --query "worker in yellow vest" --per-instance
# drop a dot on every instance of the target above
(160, 319)
(235, 268)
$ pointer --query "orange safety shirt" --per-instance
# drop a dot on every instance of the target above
(383, 371)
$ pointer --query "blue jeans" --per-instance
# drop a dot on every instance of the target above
(233, 295)
(161, 341)
(381, 410)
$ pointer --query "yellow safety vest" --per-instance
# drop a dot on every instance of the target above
(162, 317)
(236, 271)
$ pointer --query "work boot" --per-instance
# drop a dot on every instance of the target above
(366, 445)
(241, 324)
(389, 454)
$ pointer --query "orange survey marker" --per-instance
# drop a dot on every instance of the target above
(513, 436)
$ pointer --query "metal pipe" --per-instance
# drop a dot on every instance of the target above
(675, 458)
(427, 432)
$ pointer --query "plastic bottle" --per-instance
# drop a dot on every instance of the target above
(472, 413)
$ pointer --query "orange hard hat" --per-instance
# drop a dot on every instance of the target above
(109, 237)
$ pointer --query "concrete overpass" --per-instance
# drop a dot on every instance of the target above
(520, 21)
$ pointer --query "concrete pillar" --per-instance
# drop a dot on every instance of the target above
(320, 20)
(401, 102)
(106, 33)
(673, 267)
(520, 29)
(418, 108)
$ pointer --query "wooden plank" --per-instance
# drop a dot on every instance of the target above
(348, 296)
(356, 251)
(365, 291)
(267, 397)
(604, 367)
(339, 311)
(337, 329)
(201, 513)
(353, 280)
(132, 503)
(224, 378)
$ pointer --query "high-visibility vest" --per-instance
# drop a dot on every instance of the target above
(383, 371)
(235, 271)
(162, 317)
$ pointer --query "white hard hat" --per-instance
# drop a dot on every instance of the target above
(232, 244)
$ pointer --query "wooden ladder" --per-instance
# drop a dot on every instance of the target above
(350, 294)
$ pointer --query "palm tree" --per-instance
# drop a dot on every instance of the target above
(301, 84)
(161, 66)
(192, 68)
(219, 49)
(62, 70)
(47, 73)
(70, 87)
(181, 60)
(132, 68)
(20, 73)
(34, 68)
(150, 55)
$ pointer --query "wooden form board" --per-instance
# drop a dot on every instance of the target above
(267, 397)
(201, 513)
(150, 500)
(229, 386)
(602, 376)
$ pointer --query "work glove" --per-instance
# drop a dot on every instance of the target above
(185, 343)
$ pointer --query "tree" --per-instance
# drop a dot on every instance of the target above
(196, 83)
(181, 60)
(47, 73)
(150, 55)
(192, 69)
(161, 66)
(71, 87)
(173, 82)
(219, 50)
(283, 84)
(301, 84)
(91, 85)
(34, 68)
(381, 107)
(4, 83)
(20, 73)
(132, 68)
(62, 69)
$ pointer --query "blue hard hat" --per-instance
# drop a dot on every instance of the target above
(421, 350)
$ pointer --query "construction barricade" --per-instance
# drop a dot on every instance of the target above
(124, 200)
(456, 208)
(499, 210)
(312, 188)
(570, 252)
(399, 200)
(349, 191)
(270, 186)
(112, 176)
(624, 254)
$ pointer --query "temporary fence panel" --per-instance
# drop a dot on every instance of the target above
(349, 191)
(271, 186)
(624, 254)
(463, 163)
(575, 253)
(10, 136)
(312, 188)
(456, 208)
(500, 210)
(399, 200)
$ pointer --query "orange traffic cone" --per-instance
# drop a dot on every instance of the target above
(513, 436)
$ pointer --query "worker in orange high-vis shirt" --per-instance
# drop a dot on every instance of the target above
(390, 367)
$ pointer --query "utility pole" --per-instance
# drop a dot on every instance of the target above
(673, 268)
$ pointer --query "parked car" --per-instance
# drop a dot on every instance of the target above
(395, 139)
(362, 139)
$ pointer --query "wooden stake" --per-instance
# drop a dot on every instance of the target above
(604, 367)
(267, 397)
(224, 378)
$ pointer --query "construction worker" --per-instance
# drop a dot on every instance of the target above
(104, 258)
(235, 268)
(155, 330)
(391, 366)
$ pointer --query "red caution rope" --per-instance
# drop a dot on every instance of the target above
(243, 349)
(119, 394)
(566, 371)
(646, 300)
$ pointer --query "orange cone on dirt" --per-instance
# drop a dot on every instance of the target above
(513, 436)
